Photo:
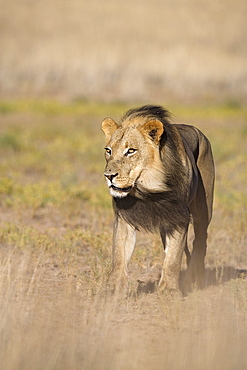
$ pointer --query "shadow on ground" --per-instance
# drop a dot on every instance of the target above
(213, 277)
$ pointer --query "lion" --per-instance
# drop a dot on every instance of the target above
(161, 177)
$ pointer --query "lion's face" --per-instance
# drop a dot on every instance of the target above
(132, 157)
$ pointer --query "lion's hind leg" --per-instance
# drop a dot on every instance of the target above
(196, 268)
(201, 210)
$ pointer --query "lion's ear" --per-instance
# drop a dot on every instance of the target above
(109, 126)
(154, 129)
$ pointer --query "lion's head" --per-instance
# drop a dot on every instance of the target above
(133, 162)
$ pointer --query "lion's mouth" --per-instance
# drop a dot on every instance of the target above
(124, 190)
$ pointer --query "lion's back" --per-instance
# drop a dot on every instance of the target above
(189, 135)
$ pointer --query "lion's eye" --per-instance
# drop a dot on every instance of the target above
(108, 151)
(130, 152)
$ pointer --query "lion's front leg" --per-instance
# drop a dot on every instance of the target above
(174, 246)
(124, 238)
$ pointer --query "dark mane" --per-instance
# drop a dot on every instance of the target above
(149, 111)
(156, 211)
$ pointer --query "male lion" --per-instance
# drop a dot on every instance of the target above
(159, 175)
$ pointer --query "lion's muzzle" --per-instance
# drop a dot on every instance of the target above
(116, 191)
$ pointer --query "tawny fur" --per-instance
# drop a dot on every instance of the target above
(160, 175)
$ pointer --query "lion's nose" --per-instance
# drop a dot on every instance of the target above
(110, 176)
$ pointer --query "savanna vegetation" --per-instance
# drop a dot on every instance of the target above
(182, 50)
(57, 58)
(55, 250)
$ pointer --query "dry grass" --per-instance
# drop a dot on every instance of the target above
(51, 322)
(165, 50)
(55, 235)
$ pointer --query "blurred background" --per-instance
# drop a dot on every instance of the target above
(118, 50)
